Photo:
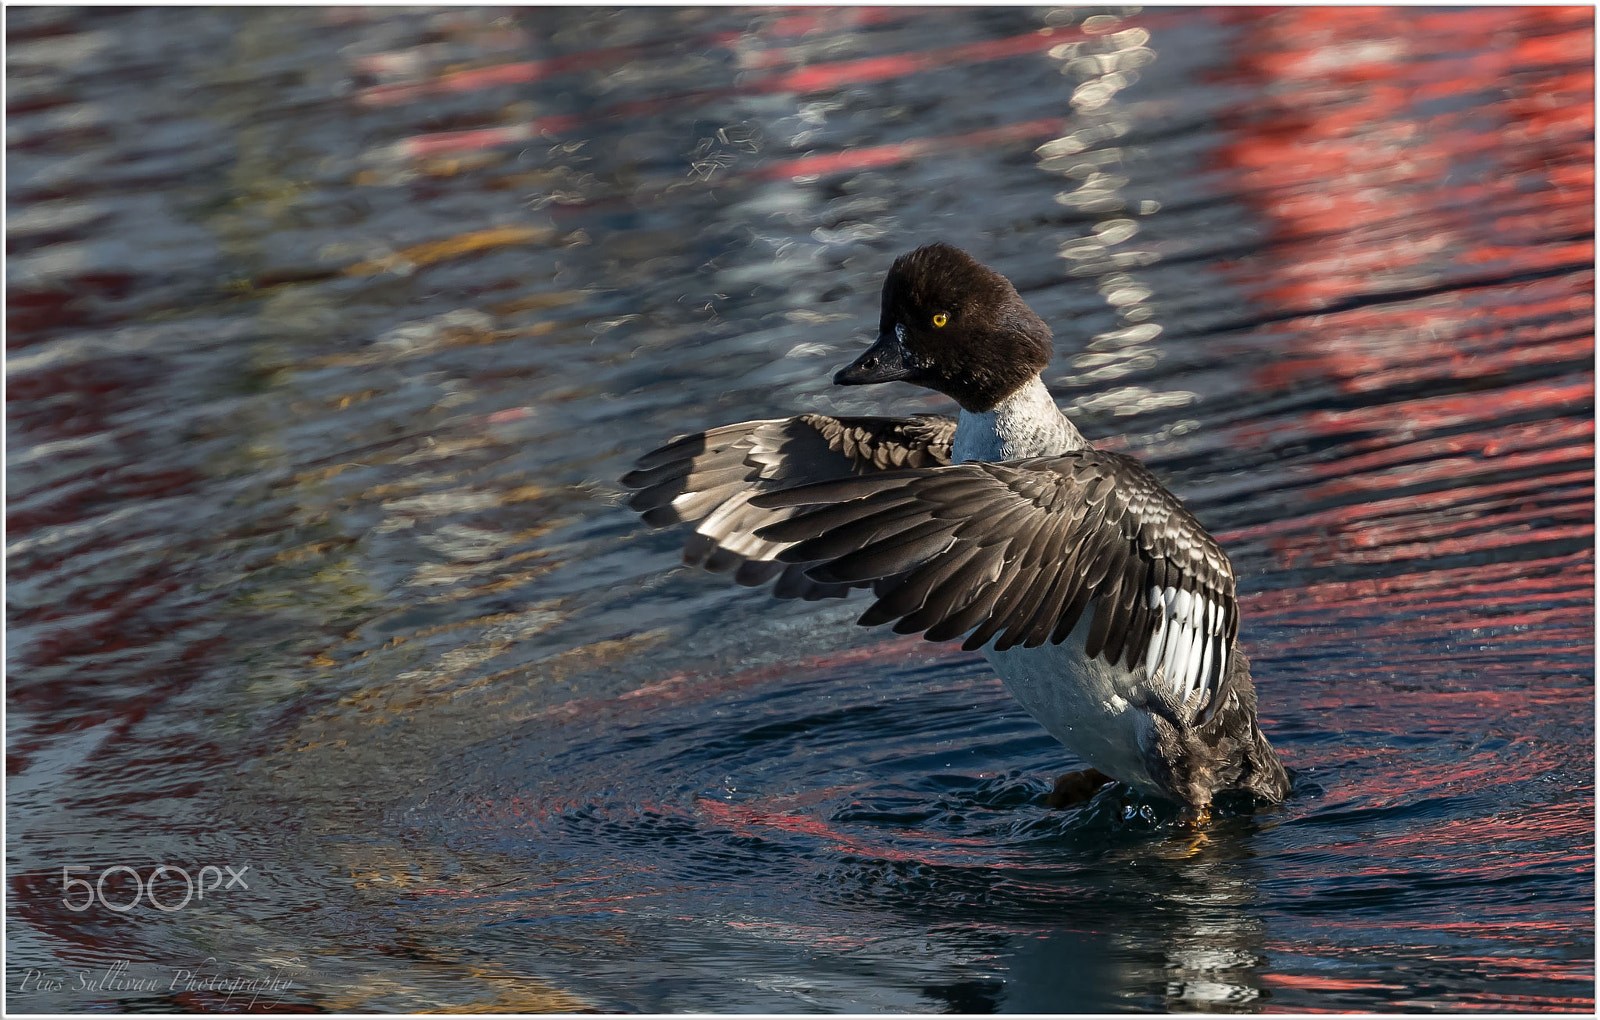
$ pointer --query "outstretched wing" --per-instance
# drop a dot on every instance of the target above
(1017, 552)
(707, 479)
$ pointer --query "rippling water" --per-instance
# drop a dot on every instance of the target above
(328, 331)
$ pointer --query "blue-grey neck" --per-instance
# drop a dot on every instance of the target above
(1025, 424)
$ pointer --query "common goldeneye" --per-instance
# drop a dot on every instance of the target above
(1107, 610)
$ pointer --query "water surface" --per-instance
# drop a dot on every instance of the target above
(329, 331)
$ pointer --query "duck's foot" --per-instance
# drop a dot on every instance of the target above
(1194, 818)
(1076, 787)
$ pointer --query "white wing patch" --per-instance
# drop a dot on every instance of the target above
(1188, 648)
(733, 524)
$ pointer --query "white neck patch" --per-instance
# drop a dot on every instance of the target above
(1026, 424)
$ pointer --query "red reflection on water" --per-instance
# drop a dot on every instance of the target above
(901, 152)
(1426, 181)
(800, 23)
(689, 687)
(813, 78)
(821, 77)
(1322, 984)
(926, 848)
(789, 71)
(1366, 188)
(1347, 142)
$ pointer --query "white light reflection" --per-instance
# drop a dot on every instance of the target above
(1089, 159)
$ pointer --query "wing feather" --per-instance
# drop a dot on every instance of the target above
(955, 592)
(1018, 552)
(911, 593)
(707, 480)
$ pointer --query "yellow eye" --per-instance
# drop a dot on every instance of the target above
(940, 319)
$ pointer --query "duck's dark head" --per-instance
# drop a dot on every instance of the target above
(952, 325)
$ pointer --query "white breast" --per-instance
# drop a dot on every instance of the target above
(1082, 702)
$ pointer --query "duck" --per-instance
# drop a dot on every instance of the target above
(1105, 607)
